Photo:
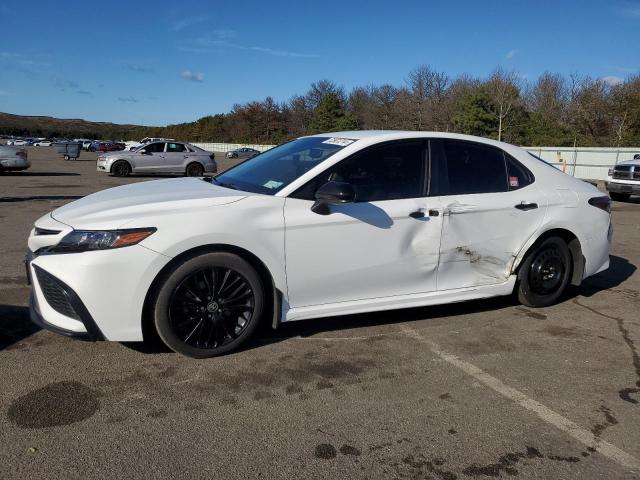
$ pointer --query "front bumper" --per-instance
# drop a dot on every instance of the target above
(630, 188)
(93, 295)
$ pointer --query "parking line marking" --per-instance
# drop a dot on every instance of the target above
(553, 418)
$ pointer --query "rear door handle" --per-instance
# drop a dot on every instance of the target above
(526, 206)
(417, 214)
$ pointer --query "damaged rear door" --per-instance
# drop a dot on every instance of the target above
(491, 207)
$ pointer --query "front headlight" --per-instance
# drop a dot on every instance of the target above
(87, 240)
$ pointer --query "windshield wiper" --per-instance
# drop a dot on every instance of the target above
(225, 184)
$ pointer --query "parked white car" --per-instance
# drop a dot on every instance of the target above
(324, 225)
(43, 143)
(623, 180)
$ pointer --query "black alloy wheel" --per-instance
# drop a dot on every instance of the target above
(121, 169)
(194, 170)
(209, 305)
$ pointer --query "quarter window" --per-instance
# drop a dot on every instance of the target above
(389, 172)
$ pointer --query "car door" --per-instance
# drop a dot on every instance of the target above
(150, 158)
(176, 156)
(491, 207)
(383, 245)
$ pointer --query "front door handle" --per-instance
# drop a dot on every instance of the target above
(417, 214)
(526, 206)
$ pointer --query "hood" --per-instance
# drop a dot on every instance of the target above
(635, 162)
(115, 207)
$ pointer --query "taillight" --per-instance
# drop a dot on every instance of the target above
(22, 154)
(603, 203)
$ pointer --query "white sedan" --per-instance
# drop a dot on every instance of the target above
(324, 225)
(43, 143)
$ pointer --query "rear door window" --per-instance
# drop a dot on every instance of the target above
(472, 168)
(175, 147)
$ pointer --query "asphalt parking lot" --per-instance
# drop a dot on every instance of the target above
(486, 389)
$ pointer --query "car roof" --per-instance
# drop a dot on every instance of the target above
(382, 135)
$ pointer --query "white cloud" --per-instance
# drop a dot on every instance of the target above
(282, 53)
(612, 80)
(219, 39)
(4, 93)
(192, 76)
(135, 67)
(629, 10)
(188, 22)
(128, 99)
(511, 53)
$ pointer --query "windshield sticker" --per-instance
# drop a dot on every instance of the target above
(343, 142)
(272, 184)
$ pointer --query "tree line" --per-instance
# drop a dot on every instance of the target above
(549, 110)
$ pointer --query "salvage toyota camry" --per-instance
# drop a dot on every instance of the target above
(324, 225)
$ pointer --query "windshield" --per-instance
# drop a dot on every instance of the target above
(274, 169)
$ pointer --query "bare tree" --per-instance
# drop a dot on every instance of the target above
(504, 89)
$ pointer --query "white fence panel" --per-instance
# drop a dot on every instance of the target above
(227, 147)
(588, 163)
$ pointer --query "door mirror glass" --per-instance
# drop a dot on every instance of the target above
(332, 193)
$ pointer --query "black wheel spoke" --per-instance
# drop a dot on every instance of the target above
(211, 307)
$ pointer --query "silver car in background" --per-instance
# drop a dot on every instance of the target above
(243, 153)
(13, 159)
(159, 157)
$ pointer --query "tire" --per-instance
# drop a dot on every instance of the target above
(121, 168)
(208, 305)
(194, 170)
(67, 157)
(545, 273)
(619, 197)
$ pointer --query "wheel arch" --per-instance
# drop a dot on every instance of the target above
(120, 160)
(272, 294)
(191, 162)
(575, 247)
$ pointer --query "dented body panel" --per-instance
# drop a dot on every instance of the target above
(483, 233)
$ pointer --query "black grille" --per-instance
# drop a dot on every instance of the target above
(623, 172)
(46, 231)
(55, 294)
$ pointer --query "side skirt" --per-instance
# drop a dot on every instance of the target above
(400, 301)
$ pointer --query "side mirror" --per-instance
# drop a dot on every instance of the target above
(332, 193)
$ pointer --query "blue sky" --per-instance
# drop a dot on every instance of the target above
(165, 62)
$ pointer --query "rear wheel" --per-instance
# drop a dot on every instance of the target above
(545, 273)
(209, 305)
(619, 197)
(67, 157)
(121, 168)
(194, 170)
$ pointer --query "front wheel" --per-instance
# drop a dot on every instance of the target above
(619, 197)
(121, 169)
(545, 273)
(209, 305)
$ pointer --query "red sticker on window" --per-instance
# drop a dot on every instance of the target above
(514, 182)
